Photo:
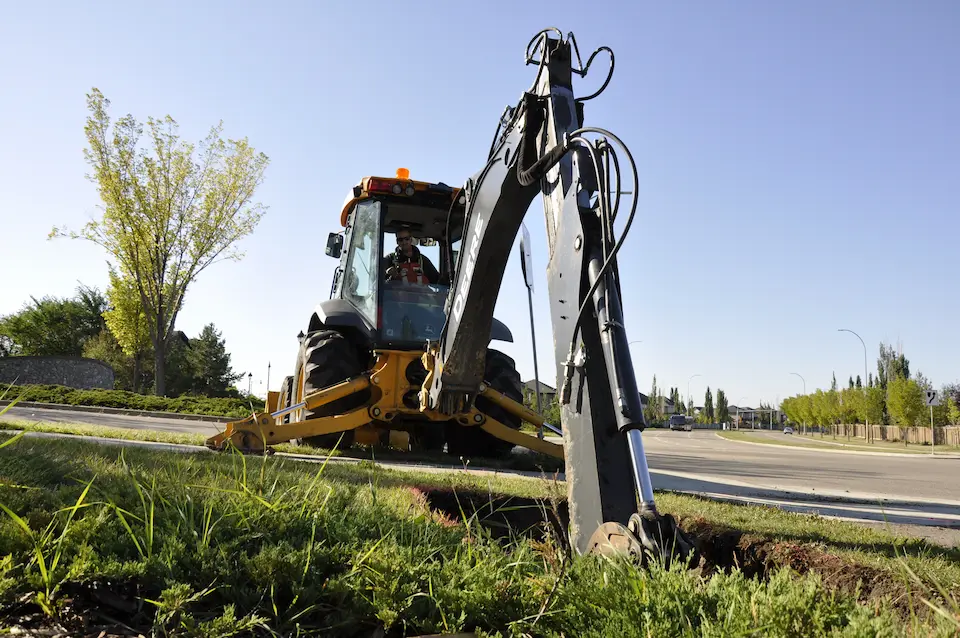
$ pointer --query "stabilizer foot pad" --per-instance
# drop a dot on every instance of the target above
(647, 535)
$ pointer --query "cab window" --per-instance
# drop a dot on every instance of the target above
(361, 278)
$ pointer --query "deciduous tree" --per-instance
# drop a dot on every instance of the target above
(53, 326)
(851, 404)
(723, 413)
(953, 411)
(127, 320)
(166, 217)
(875, 404)
(104, 347)
(905, 401)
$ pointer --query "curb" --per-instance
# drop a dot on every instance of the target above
(121, 411)
(806, 494)
(829, 451)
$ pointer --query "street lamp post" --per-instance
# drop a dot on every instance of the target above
(804, 430)
(635, 365)
(866, 417)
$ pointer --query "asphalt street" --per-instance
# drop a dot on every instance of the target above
(914, 490)
(773, 466)
(114, 420)
(917, 494)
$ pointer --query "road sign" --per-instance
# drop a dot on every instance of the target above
(526, 257)
(932, 398)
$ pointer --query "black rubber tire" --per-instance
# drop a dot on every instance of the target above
(327, 358)
(471, 441)
(428, 437)
(286, 396)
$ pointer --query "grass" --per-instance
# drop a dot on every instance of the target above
(225, 407)
(892, 446)
(812, 442)
(218, 545)
(527, 462)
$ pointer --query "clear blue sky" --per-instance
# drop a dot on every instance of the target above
(799, 162)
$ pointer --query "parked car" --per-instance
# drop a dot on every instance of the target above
(679, 422)
(788, 430)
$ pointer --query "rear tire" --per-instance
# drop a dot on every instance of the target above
(471, 441)
(428, 436)
(327, 358)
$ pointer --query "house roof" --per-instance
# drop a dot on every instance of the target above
(646, 399)
(532, 386)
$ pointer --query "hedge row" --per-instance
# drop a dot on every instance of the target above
(132, 401)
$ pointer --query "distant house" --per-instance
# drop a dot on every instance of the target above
(666, 405)
(546, 391)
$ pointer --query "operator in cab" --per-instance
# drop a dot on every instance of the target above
(407, 263)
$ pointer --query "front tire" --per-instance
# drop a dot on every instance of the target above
(327, 358)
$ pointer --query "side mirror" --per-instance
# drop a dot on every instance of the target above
(334, 245)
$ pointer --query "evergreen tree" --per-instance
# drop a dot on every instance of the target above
(851, 381)
(708, 406)
(209, 363)
(858, 384)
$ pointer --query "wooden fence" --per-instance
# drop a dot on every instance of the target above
(946, 435)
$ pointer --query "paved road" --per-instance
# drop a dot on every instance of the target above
(917, 490)
(114, 420)
(768, 466)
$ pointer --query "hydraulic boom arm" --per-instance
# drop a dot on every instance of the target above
(541, 147)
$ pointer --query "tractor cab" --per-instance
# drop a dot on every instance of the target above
(400, 296)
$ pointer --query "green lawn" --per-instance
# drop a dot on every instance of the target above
(223, 544)
(533, 462)
(63, 395)
(879, 446)
(828, 443)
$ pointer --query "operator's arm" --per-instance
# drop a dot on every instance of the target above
(386, 267)
(433, 275)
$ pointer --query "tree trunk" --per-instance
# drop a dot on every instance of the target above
(137, 371)
(160, 381)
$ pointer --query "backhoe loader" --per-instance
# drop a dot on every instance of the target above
(407, 362)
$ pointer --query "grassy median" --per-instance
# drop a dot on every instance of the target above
(218, 545)
(839, 443)
(527, 461)
(195, 405)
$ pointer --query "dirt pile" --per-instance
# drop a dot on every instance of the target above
(720, 548)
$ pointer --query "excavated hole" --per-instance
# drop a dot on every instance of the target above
(721, 549)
